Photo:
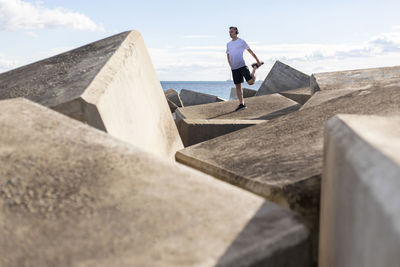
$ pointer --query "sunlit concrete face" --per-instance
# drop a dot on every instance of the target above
(283, 78)
(72, 195)
(360, 207)
(109, 84)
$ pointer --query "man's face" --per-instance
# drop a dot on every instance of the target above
(232, 33)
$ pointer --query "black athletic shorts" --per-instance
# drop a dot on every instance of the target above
(239, 73)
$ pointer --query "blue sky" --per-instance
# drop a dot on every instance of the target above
(187, 39)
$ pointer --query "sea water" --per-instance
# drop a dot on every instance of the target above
(217, 88)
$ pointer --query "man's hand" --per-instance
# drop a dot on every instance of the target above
(229, 60)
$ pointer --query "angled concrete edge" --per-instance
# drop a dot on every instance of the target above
(194, 131)
(110, 84)
(301, 95)
(321, 97)
(192, 98)
(359, 198)
(281, 78)
(71, 195)
(258, 108)
(356, 79)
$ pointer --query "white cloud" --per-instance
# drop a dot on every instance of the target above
(209, 62)
(7, 64)
(198, 36)
(32, 34)
(18, 14)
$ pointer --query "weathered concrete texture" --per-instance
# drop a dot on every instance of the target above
(194, 131)
(282, 159)
(172, 105)
(258, 108)
(300, 95)
(321, 97)
(246, 93)
(109, 84)
(71, 195)
(282, 78)
(191, 98)
(173, 96)
(360, 204)
(355, 79)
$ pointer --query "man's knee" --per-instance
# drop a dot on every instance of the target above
(250, 82)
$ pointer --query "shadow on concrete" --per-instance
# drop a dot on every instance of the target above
(223, 114)
(269, 116)
(273, 237)
(279, 113)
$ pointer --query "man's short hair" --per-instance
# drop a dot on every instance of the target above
(235, 28)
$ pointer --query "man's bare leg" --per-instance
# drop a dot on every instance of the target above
(239, 93)
(253, 79)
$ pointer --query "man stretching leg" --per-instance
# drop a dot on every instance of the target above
(234, 51)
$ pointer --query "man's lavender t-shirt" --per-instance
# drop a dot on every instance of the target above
(235, 50)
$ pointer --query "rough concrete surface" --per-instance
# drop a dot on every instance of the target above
(355, 79)
(173, 96)
(109, 84)
(300, 95)
(191, 98)
(246, 93)
(321, 97)
(71, 195)
(282, 78)
(172, 106)
(258, 108)
(194, 131)
(282, 159)
(360, 204)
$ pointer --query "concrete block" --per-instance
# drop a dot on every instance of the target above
(360, 203)
(258, 108)
(173, 96)
(282, 78)
(172, 106)
(246, 93)
(300, 95)
(321, 97)
(355, 79)
(194, 131)
(191, 98)
(282, 159)
(71, 195)
(109, 84)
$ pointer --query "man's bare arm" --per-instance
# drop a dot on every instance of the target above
(229, 60)
(254, 55)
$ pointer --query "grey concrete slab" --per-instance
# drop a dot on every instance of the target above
(320, 97)
(246, 93)
(191, 98)
(282, 78)
(258, 108)
(282, 159)
(71, 195)
(194, 131)
(173, 96)
(300, 95)
(172, 106)
(355, 79)
(110, 84)
(360, 204)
